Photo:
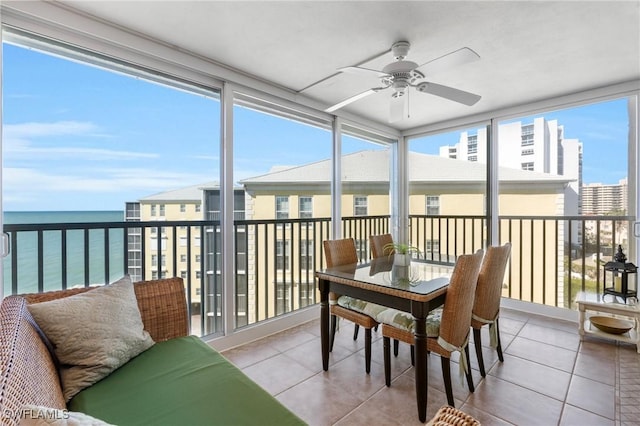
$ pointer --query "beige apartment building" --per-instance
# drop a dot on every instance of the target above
(184, 204)
(288, 212)
(438, 187)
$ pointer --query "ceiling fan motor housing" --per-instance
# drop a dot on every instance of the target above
(400, 49)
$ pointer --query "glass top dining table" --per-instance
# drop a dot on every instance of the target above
(416, 289)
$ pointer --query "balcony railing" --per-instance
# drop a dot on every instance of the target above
(552, 257)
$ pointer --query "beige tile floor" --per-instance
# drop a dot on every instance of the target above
(549, 377)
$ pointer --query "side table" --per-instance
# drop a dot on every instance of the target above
(631, 312)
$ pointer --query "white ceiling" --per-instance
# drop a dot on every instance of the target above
(529, 50)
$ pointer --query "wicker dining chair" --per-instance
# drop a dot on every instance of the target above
(337, 253)
(448, 333)
(378, 244)
(486, 307)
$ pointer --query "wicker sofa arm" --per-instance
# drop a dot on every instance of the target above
(162, 304)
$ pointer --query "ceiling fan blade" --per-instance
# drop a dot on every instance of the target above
(448, 61)
(363, 71)
(450, 93)
(398, 107)
(352, 99)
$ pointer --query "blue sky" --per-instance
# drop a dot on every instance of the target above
(80, 138)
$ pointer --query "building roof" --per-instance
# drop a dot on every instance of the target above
(189, 193)
(373, 166)
(370, 166)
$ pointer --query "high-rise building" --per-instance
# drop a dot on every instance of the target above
(599, 199)
(197, 247)
(539, 146)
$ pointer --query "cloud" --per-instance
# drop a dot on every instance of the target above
(26, 180)
(60, 128)
(18, 141)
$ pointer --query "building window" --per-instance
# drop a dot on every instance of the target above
(433, 246)
(198, 275)
(154, 260)
(528, 151)
(183, 241)
(197, 258)
(183, 258)
(527, 166)
(362, 248)
(472, 144)
(183, 275)
(527, 135)
(282, 255)
(162, 210)
(154, 244)
(198, 208)
(153, 210)
(473, 158)
(360, 205)
(183, 208)
(282, 207)
(306, 207)
(154, 275)
(433, 205)
(306, 254)
(164, 260)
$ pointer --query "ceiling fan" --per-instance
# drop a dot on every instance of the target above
(402, 75)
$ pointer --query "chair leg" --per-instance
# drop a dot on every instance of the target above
(478, 344)
(332, 335)
(468, 373)
(396, 345)
(413, 356)
(386, 344)
(355, 332)
(499, 348)
(367, 349)
(446, 376)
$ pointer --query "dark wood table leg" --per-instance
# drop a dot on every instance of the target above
(419, 315)
(324, 322)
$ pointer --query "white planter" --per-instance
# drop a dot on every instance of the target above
(402, 259)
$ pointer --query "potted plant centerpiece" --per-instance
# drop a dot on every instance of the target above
(401, 253)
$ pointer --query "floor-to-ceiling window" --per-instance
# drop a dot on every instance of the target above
(91, 140)
(282, 162)
(365, 176)
(447, 192)
(575, 165)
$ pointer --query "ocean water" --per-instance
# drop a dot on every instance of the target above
(26, 251)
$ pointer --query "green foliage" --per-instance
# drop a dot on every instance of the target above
(400, 248)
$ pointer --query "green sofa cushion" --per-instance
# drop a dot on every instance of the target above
(181, 381)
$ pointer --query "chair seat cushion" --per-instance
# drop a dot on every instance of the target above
(404, 320)
(367, 308)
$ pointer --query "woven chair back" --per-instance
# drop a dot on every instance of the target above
(378, 243)
(489, 290)
(340, 252)
(456, 313)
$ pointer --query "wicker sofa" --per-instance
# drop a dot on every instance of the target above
(179, 380)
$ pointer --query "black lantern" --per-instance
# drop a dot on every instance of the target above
(620, 271)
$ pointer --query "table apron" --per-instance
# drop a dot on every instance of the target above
(416, 308)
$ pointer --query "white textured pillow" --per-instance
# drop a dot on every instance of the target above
(93, 333)
(35, 415)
